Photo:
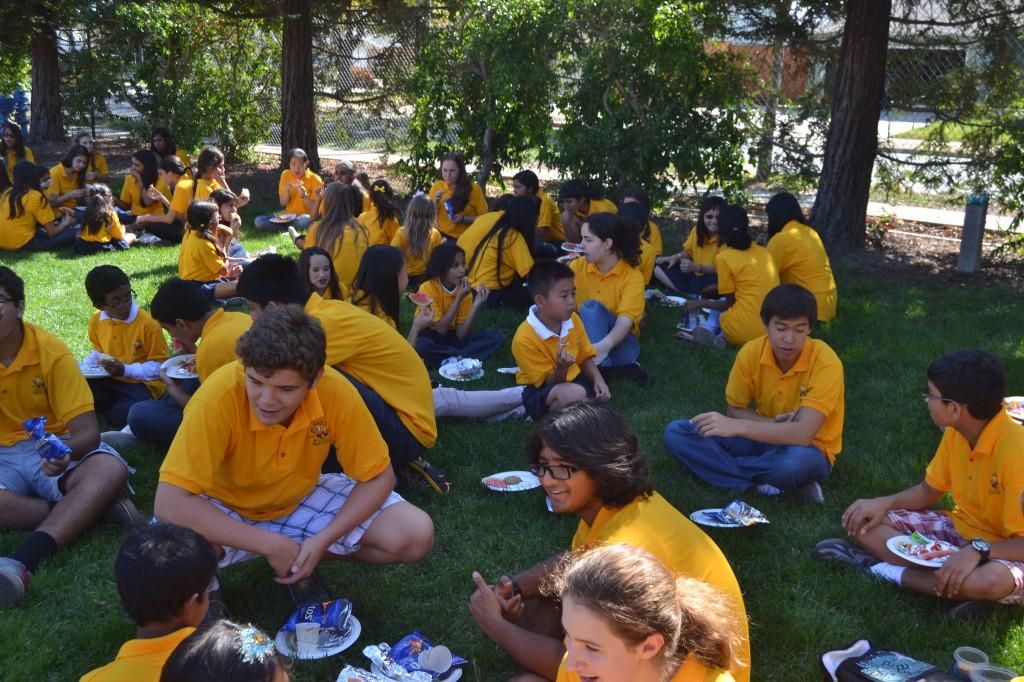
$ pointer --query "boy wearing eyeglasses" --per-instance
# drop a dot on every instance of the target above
(590, 465)
(127, 343)
(979, 461)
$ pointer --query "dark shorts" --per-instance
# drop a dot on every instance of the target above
(402, 445)
(535, 400)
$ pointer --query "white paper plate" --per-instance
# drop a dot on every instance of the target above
(672, 301)
(569, 247)
(447, 373)
(451, 676)
(284, 645)
(174, 368)
(893, 545)
(508, 370)
(704, 517)
(92, 371)
(1017, 412)
(283, 218)
(529, 481)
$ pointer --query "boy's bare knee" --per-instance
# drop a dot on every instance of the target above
(418, 535)
(102, 471)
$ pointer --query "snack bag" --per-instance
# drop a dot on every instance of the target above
(329, 615)
(47, 445)
(450, 208)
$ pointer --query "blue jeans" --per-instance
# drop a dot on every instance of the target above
(44, 242)
(126, 217)
(266, 223)
(598, 321)
(157, 421)
(113, 399)
(435, 348)
(740, 463)
(688, 282)
(402, 445)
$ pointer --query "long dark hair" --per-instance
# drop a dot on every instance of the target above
(99, 209)
(463, 185)
(623, 232)
(782, 208)
(384, 200)
(19, 139)
(149, 168)
(377, 280)
(642, 199)
(708, 204)
(733, 227)
(208, 157)
(26, 179)
(521, 216)
(441, 260)
(69, 159)
(171, 148)
(305, 257)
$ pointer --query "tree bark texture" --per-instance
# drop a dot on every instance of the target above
(841, 204)
(47, 121)
(298, 110)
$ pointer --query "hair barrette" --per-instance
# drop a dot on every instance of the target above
(254, 645)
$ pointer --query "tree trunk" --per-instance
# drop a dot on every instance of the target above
(298, 114)
(487, 158)
(842, 200)
(47, 122)
(771, 108)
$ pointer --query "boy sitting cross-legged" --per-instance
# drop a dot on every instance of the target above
(164, 575)
(789, 439)
(979, 461)
(555, 357)
(245, 467)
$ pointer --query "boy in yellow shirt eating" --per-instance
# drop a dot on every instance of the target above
(979, 462)
(789, 439)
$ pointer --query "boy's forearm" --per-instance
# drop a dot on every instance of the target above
(179, 506)
(590, 371)
(366, 498)
(1008, 550)
(530, 580)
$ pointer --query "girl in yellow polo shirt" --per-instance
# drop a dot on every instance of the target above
(166, 219)
(626, 617)
(68, 188)
(746, 273)
(162, 143)
(459, 200)
(610, 290)
(379, 283)
(96, 170)
(339, 234)
(799, 255)
(298, 192)
(27, 219)
(14, 150)
(202, 257)
(692, 270)
(497, 246)
(636, 204)
(382, 217)
(418, 237)
(318, 270)
(101, 228)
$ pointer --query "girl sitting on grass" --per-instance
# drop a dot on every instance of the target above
(68, 188)
(692, 270)
(96, 170)
(418, 237)
(170, 225)
(12, 143)
(299, 191)
(318, 271)
(382, 218)
(226, 652)
(379, 284)
(101, 228)
(455, 305)
(498, 247)
(202, 257)
(338, 233)
(27, 219)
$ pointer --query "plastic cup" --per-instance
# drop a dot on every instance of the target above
(307, 638)
(967, 657)
(437, 659)
(986, 672)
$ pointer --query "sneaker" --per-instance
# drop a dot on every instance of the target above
(14, 579)
(148, 239)
(812, 491)
(706, 337)
(234, 302)
(218, 609)
(293, 233)
(313, 588)
(768, 489)
(638, 374)
(124, 514)
(434, 477)
(122, 439)
(844, 551)
(973, 610)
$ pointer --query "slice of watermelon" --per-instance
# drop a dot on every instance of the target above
(419, 298)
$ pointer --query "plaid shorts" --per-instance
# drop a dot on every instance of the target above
(312, 515)
(939, 525)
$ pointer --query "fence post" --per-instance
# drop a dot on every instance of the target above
(973, 233)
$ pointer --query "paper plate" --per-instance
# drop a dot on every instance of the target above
(894, 544)
(450, 676)
(174, 367)
(527, 481)
(283, 218)
(569, 247)
(1014, 406)
(448, 373)
(672, 301)
(284, 645)
(706, 517)
(92, 371)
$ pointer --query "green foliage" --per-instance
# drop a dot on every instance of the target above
(14, 69)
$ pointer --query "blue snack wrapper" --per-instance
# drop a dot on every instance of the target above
(47, 445)
(332, 615)
(406, 652)
(451, 211)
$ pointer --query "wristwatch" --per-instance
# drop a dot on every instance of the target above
(981, 546)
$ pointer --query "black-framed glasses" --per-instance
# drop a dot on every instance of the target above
(559, 472)
(929, 397)
(118, 301)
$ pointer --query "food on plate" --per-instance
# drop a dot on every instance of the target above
(572, 248)
(924, 548)
(188, 366)
(465, 368)
(513, 480)
(496, 482)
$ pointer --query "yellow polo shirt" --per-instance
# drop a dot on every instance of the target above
(162, 186)
(749, 275)
(515, 256)
(204, 188)
(535, 348)
(444, 300)
(651, 248)
(621, 290)
(262, 472)
(361, 300)
(198, 258)
(217, 344)
(800, 258)
(15, 232)
(43, 381)
(692, 670)
(378, 235)
(182, 197)
(599, 206)
(346, 253)
(416, 265)
(986, 482)
(673, 539)
(367, 348)
(10, 159)
(113, 230)
(476, 206)
(140, 340)
(139, 660)
(131, 194)
(550, 217)
(310, 180)
(62, 184)
(702, 254)
(815, 381)
(98, 164)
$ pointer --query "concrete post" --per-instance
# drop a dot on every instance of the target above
(974, 232)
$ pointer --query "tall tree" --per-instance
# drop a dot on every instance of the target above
(47, 122)
(298, 110)
(852, 143)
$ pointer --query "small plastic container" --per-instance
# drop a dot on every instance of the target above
(967, 657)
(986, 672)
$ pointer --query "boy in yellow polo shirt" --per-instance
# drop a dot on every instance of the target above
(789, 439)
(164, 576)
(590, 465)
(127, 343)
(580, 200)
(979, 462)
(245, 468)
(55, 498)
(550, 233)
(184, 312)
(555, 357)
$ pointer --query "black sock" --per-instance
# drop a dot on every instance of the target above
(36, 547)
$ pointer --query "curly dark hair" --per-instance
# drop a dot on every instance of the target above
(596, 439)
(284, 337)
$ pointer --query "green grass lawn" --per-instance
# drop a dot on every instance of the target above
(886, 333)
